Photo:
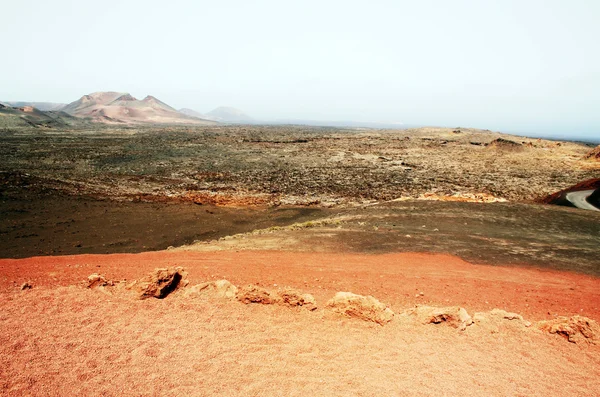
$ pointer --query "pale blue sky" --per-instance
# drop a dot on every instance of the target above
(520, 66)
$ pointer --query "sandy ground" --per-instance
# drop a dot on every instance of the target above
(60, 338)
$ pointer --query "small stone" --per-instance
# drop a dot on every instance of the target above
(98, 280)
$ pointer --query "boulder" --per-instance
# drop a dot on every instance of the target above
(363, 307)
(576, 329)
(159, 283)
(256, 294)
(293, 298)
(454, 316)
(219, 288)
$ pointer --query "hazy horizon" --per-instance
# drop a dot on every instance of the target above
(525, 67)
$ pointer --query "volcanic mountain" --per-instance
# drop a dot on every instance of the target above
(193, 113)
(43, 106)
(222, 114)
(229, 115)
(118, 107)
(29, 116)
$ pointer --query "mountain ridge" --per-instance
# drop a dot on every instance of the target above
(113, 107)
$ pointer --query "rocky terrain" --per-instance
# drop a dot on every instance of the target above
(294, 165)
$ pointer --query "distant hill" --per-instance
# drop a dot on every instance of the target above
(192, 113)
(28, 116)
(229, 115)
(122, 108)
(43, 106)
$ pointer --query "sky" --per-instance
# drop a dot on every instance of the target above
(524, 66)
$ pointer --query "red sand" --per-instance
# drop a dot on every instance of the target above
(61, 339)
(396, 278)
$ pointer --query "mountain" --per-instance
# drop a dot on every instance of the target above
(28, 116)
(87, 103)
(43, 106)
(122, 108)
(229, 115)
(192, 113)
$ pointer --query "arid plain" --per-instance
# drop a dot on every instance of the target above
(480, 288)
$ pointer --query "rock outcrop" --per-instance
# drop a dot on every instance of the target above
(159, 283)
(366, 308)
(454, 316)
(219, 288)
(97, 280)
(577, 329)
(293, 298)
(497, 319)
(256, 294)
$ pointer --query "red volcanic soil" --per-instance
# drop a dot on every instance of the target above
(60, 338)
(397, 278)
(589, 184)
